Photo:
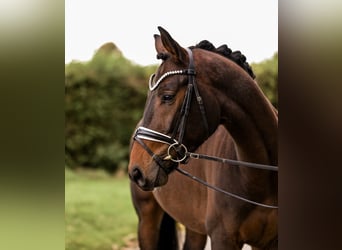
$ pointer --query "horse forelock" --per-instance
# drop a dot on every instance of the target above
(225, 51)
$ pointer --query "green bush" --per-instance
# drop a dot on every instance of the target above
(104, 99)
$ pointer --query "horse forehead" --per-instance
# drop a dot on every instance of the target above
(169, 64)
(163, 67)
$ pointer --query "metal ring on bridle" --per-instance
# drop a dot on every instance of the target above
(174, 147)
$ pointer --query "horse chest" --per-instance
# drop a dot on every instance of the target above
(185, 208)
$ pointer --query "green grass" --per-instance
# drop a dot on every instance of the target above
(98, 211)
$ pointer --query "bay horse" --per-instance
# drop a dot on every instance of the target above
(175, 124)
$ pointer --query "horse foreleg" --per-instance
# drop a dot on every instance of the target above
(194, 240)
(150, 216)
(148, 230)
(156, 229)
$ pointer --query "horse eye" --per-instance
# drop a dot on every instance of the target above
(167, 98)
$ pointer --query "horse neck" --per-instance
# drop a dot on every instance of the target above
(247, 114)
(252, 124)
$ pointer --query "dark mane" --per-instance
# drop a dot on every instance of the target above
(223, 50)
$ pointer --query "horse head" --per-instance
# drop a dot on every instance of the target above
(192, 92)
(172, 110)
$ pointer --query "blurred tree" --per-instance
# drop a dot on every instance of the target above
(104, 99)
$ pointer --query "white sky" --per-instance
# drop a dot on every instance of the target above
(250, 26)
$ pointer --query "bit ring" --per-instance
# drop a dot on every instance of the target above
(173, 146)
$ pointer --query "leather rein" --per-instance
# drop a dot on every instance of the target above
(177, 152)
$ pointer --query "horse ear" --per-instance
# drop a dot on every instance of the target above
(178, 53)
(159, 45)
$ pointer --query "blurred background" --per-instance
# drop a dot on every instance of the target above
(104, 100)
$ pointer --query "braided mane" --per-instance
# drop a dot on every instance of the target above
(223, 50)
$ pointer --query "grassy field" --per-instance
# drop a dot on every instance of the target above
(98, 211)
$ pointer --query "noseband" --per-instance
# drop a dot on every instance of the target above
(175, 145)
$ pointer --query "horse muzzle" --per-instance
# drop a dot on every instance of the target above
(157, 177)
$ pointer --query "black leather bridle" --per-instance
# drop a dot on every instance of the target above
(177, 151)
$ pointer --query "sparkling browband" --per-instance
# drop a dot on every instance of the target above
(169, 73)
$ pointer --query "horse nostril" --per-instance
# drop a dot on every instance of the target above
(137, 175)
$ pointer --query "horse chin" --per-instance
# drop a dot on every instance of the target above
(158, 179)
(161, 178)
